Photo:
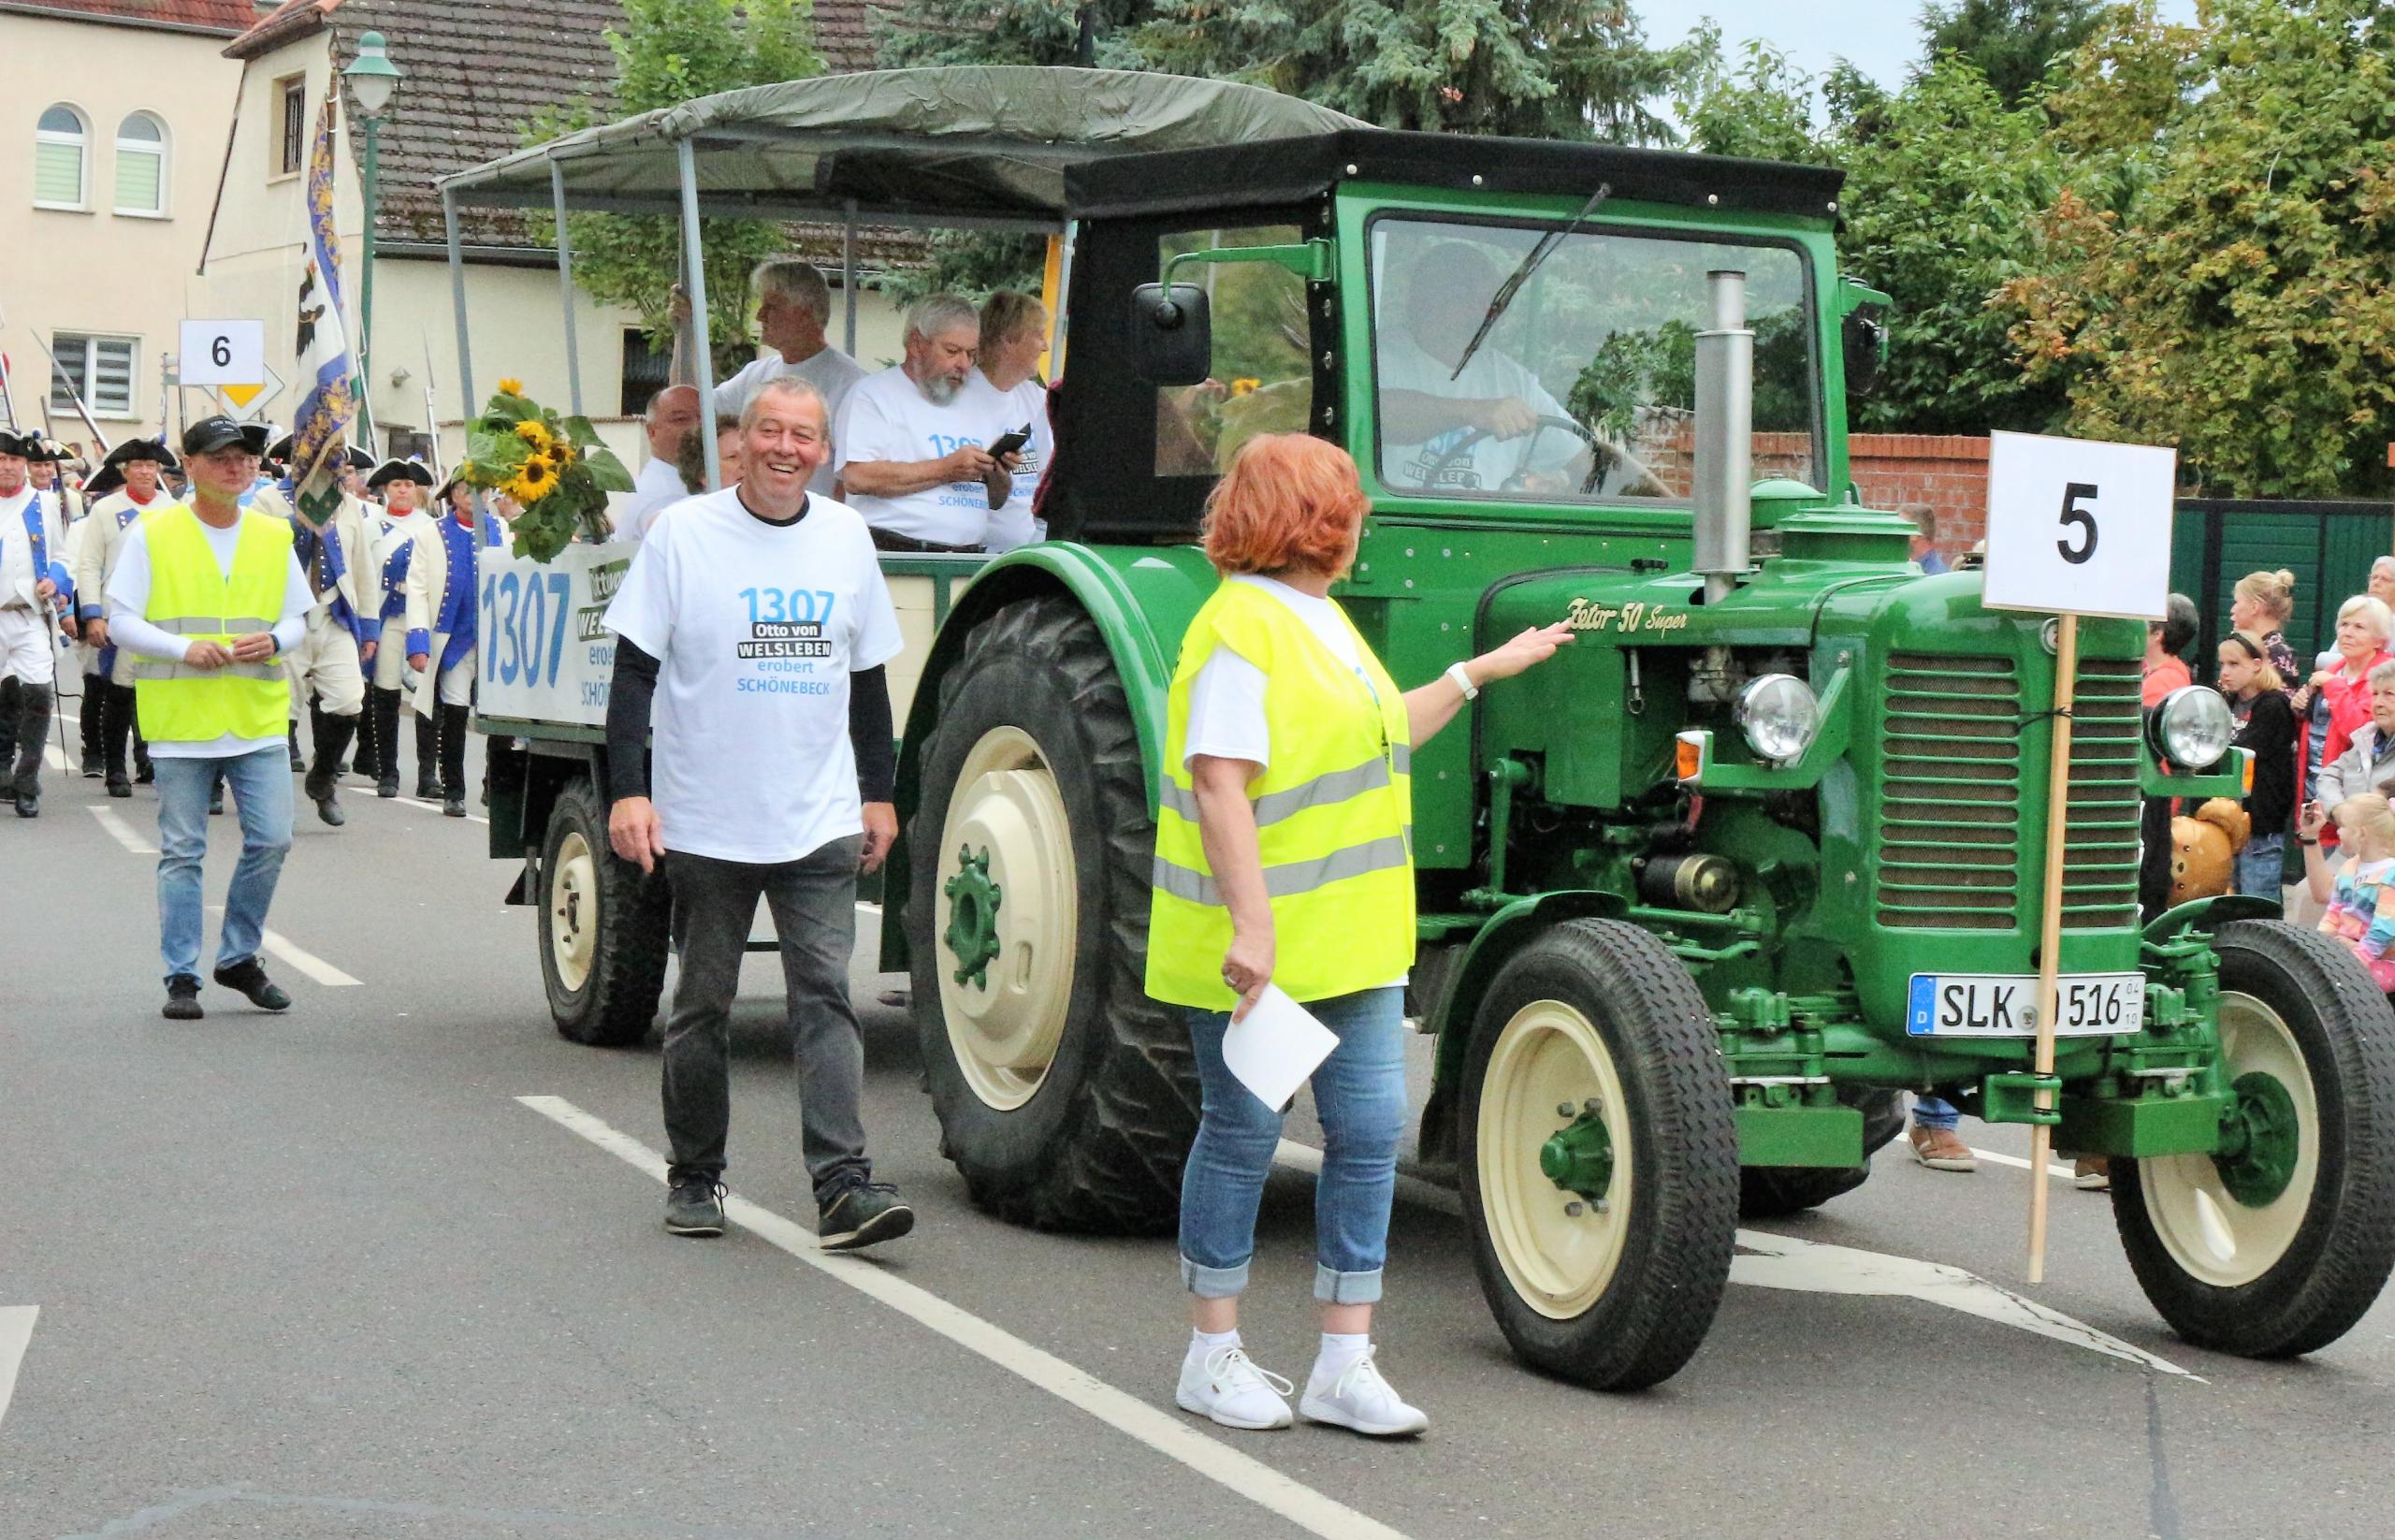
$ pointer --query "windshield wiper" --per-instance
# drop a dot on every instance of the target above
(1521, 275)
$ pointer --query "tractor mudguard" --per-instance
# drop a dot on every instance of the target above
(1462, 985)
(1142, 599)
(2209, 914)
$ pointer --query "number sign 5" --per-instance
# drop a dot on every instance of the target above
(2079, 527)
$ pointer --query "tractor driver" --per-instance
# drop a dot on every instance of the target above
(1474, 432)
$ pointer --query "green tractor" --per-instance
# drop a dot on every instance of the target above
(1700, 898)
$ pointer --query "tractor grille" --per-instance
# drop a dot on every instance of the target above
(1951, 811)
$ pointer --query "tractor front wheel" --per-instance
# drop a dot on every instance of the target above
(2277, 1243)
(1600, 1157)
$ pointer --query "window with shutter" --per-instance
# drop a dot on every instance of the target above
(99, 369)
(60, 148)
(140, 166)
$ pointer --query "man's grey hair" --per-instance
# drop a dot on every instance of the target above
(789, 385)
(800, 282)
(935, 314)
(2383, 677)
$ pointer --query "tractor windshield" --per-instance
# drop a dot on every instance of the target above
(1585, 390)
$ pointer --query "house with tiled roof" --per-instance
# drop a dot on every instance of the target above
(113, 128)
(475, 71)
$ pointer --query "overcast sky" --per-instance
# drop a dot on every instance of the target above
(1881, 36)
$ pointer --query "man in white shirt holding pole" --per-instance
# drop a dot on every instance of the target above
(793, 308)
(913, 444)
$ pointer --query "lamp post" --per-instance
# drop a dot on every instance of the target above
(371, 78)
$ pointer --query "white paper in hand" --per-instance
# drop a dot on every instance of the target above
(1276, 1047)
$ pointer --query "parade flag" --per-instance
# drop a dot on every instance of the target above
(320, 432)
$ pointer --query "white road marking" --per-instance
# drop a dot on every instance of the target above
(297, 956)
(1164, 1431)
(1780, 1261)
(16, 1330)
(53, 756)
(122, 832)
(2055, 1168)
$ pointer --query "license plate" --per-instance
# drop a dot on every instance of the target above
(1999, 1005)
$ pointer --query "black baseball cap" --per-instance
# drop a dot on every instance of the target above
(210, 434)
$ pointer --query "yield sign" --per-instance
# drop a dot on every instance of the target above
(242, 397)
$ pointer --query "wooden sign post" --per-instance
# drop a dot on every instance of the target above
(2073, 528)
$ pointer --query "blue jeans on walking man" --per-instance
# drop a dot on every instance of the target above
(1359, 1095)
(261, 786)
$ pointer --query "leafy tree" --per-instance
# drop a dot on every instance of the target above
(666, 52)
(2240, 301)
(1760, 106)
(1007, 32)
(2012, 42)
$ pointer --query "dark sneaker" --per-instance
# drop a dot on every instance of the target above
(182, 998)
(856, 1213)
(119, 787)
(694, 1206)
(428, 789)
(453, 807)
(28, 804)
(251, 980)
(387, 785)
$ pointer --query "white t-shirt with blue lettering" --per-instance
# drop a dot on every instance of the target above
(887, 417)
(756, 628)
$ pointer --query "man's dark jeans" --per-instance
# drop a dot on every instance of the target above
(813, 901)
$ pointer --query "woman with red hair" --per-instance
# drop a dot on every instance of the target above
(1283, 858)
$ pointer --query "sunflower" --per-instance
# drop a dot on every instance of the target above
(536, 480)
(536, 433)
(511, 385)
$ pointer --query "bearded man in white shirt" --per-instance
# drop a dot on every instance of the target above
(913, 442)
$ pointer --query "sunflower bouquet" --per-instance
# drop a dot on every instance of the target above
(554, 466)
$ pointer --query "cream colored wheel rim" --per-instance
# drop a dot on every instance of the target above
(1547, 1057)
(2215, 1238)
(1006, 806)
(574, 911)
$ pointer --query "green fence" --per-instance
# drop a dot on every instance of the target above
(2328, 545)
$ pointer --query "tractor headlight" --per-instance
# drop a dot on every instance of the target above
(2193, 727)
(1779, 717)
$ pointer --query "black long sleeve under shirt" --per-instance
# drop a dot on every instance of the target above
(632, 694)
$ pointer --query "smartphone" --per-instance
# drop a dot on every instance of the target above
(1010, 443)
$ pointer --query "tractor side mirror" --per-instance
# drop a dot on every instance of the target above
(1173, 334)
(1864, 338)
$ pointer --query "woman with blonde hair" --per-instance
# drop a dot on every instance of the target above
(1283, 857)
(2262, 603)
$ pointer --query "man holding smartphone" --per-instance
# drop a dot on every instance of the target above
(923, 459)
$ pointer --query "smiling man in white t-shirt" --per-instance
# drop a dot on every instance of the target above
(756, 622)
(913, 441)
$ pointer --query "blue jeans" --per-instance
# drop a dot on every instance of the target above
(2261, 867)
(1936, 1112)
(260, 782)
(1359, 1094)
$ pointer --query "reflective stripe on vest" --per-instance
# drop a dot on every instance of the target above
(192, 596)
(1333, 808)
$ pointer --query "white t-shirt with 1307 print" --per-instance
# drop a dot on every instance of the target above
(887, 417)
(756, 628)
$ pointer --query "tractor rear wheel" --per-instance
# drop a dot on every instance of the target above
(1774, 1192)
(2277, 1244)
(1066, 1096)
(1600, 1157)
(604, 927)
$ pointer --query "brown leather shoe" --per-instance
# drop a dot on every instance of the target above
(1942, 1149)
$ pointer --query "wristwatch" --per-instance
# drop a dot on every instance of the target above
(1462, 678)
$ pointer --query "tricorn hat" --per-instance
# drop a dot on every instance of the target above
(108, 478)
(152, 450)
(23, 446)
(398, 470)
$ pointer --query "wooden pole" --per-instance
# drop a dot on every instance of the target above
(2050, 927)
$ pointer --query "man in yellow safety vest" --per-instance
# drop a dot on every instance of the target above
(207, 596)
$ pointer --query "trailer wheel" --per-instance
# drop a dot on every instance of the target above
(603, 927)
(1774, 1192)
(2276, 1245)
(1066, 1096)
(1600, 1174)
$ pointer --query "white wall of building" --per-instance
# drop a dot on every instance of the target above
(99, 272)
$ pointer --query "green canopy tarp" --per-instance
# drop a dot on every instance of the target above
(951, 144)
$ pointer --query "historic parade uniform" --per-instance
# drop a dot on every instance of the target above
(32, 541)
(325, 670)
(109, 691)
(395, 549)
(441, 623)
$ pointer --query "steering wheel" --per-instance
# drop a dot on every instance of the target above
(1603, 453)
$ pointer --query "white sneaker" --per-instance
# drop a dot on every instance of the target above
(1361, 1400)
(1226, 1385)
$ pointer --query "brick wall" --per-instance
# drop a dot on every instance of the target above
(1948, 472)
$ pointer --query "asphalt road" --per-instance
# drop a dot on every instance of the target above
(328, 1274)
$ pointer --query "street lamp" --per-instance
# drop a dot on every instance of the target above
(371, 78)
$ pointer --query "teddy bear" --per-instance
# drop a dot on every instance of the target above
(2203, 849)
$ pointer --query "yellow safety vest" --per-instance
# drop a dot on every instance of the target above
(1334, 815)
(191, 596)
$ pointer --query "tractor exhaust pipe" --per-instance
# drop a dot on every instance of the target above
(1722, 493)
